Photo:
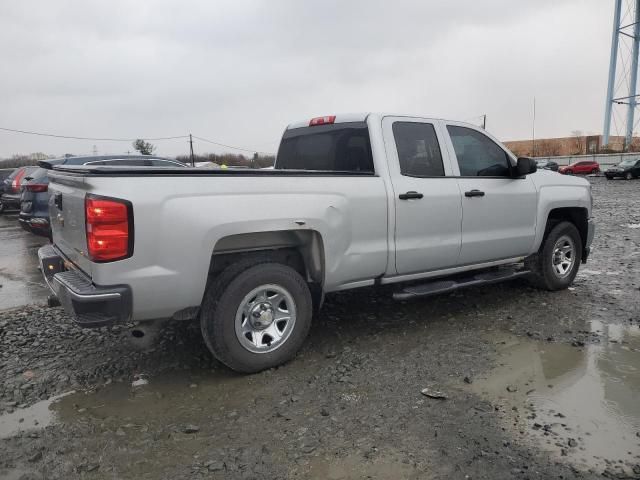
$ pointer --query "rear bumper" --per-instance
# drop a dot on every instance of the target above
(35, 225)
(88, 304)
(10, 200)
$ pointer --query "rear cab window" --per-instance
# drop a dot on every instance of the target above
(339, 147)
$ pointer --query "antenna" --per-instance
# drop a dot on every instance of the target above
(193, 162)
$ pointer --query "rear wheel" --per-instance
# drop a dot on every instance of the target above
(1, 206)
(594, 171)
(628, 176)
(256, 317)
(556, 264)
(609, 177)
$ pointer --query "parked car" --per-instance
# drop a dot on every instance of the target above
(120, 160)
(34, 202)
(11, 188)
(626, 169)
(547, 165)
(354, 200)
(580, 168)
(34, 207)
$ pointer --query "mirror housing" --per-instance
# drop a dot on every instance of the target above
(525, 166)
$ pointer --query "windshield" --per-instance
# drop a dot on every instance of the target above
(627, 163)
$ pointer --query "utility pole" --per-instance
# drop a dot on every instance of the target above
(193, 162)
(533, 130)
(95, 151)
(484, 121)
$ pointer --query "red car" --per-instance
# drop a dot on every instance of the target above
(580, 168)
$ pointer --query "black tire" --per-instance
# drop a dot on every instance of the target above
(628, 176)
(594, 171)
(1, 207)
(609, 177)
(569, 172)
(223, 299)
(544, 275)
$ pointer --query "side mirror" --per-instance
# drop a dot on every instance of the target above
(525, 166)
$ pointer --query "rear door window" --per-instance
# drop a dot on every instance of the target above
(342, 147)
(418, 149)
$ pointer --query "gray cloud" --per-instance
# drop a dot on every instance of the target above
(239, 71)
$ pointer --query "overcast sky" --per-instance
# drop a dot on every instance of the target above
(238, 71)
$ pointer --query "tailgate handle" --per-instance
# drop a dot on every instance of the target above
(410, 195)
(57, 200)
(474, 193)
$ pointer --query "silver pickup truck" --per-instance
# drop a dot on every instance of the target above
(353, 201)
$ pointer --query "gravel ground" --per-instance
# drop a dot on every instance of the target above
(349, 406)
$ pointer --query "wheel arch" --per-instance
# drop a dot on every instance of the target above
(579, 216)
(302, 250)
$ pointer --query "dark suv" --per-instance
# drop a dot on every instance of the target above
(34, 205)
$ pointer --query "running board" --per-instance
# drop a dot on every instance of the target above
(444, 286)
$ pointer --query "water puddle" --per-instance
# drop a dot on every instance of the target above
(580, 402)
(37, 416)
(383, 466)
(632, 225)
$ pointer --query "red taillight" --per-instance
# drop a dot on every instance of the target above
(37, 187)
(17, 180)
(322, 120)
(108, 232)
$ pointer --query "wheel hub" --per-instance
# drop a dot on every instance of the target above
(563, 257)
(265, 318)
(262, 315)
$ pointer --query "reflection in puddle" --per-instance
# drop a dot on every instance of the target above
(38, 415)
(581, 402)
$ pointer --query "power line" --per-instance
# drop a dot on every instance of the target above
(230, 146)
(71, 137)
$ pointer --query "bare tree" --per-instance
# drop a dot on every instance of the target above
(578, 139)
(145, 148)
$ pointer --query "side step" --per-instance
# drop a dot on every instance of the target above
(445, 286)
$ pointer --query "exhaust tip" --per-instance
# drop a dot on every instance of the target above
(137, 333)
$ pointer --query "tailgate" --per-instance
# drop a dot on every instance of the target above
(67, 217)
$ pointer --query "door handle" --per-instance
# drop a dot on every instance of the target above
(474, 193)
(410, 195)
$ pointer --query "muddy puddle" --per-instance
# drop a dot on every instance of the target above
(581, 402)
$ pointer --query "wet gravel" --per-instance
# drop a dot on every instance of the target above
(350, 405)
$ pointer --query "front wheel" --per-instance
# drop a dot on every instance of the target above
(256, 317)
(568, 172)
(1, 207)
(556, 264)
(628, 176)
